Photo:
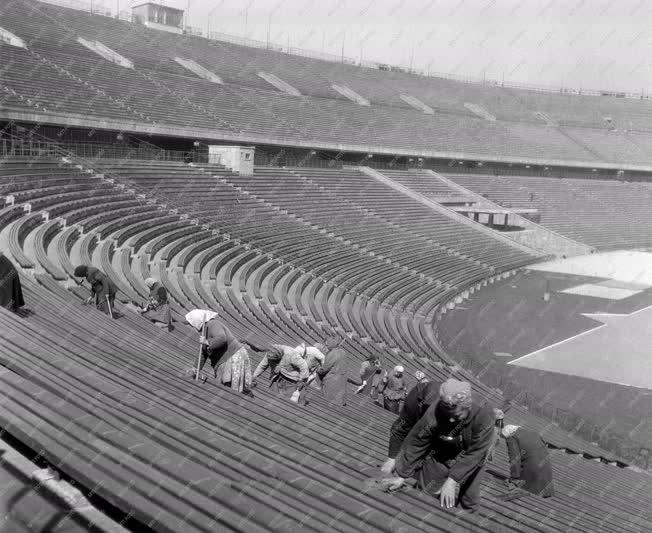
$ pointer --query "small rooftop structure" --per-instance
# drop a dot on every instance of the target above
(159, 17)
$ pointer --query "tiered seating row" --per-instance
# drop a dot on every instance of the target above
(247, 315)
(54, 385)
(153, 50)
(160, 93)
(601, 213)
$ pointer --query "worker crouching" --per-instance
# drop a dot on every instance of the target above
(446, 450)
(102, 287)
(529, 460)
(288, 372)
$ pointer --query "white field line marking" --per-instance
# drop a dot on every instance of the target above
(557, 344)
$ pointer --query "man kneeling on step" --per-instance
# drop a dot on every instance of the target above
(447, 449)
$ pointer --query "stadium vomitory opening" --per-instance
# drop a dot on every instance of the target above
(247, 289)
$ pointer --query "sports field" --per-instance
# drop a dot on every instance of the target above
(576, 332)
(617, 349)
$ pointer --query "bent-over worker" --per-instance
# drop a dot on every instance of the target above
(11, 291)
(529, 460)
(227, 356)
(157, 309)
(417, 402)
(447, 449)
(288, 371)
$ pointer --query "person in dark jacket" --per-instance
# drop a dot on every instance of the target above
(11, 291)
(102, 287)
(529, 460)
(393, 390)
(227, 356)
(158, 308)
(446, 450)
(333, 373)
(417, 402)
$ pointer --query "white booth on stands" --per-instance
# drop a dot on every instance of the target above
(239, 159)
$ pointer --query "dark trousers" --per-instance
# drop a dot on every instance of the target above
(100, 303)
(392, 405)
(285, 387)
(399, 430)
(432, 475)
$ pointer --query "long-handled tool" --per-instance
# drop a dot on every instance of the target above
(108, 303)
(201, 347)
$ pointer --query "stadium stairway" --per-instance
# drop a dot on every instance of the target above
(535, 236)
(604, 214)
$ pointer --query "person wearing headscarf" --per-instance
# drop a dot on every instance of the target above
(417, 402)
(228, 357)
(158, 308)
(529, 460)
(393, 389)
(102, 287)
(499, 415)
(333, 373)
(288, 372)
(11, 291)
(446, 450)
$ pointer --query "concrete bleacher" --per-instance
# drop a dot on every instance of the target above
(166, 97)
(130, 358)
(401, 298)
(239, 65)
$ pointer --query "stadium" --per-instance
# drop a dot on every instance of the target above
(484, 232)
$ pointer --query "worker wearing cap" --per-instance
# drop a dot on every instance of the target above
(393, 390)
(447, 449)
(417, 402)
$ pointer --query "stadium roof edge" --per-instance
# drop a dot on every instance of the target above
(225, 135)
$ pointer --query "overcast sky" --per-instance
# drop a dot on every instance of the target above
(598, 44)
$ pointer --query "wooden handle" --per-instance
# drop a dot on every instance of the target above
(201, 347)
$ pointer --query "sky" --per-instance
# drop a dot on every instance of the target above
(588, 44)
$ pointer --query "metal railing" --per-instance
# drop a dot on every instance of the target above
(93, 6)
(12, 147)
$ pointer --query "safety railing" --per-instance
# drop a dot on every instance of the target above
(36, 148)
